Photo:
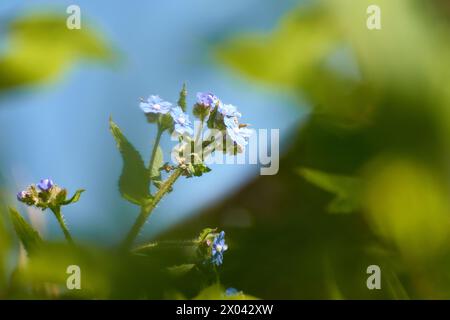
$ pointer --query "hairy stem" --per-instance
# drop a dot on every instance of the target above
(147, 209)
(57, 212)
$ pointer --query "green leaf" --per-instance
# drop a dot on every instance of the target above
(283, 56)
(155, 172)
(134, 181)
(181, 269)
(196, 170)
(347, 189)
(41, 47)
(200, 169)
(182, 99)
(158, 184)
(75, 197)
(28, 236)
(204, 233)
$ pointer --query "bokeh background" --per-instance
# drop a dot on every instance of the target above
(363, 118)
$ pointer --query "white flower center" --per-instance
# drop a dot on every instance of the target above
(156, 106)
(219, 248)
(181, 120)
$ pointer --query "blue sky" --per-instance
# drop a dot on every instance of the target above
(61, 130)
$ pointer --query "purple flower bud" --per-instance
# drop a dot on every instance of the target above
(207, 99)
(22, 195)
(45, 184)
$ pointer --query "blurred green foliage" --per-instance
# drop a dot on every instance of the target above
(345, 188)
(40, 47)
(375, 146)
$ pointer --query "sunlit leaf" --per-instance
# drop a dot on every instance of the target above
(134, 181)
(204, 233)
(182, 99)
(406, 204)
(217, 292)
(40, 47)
(28, 236)
(301, 41)
(75, 198)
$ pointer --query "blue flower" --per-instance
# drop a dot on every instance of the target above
(228, 110)
(181, 121)
(218, 248)
(154, 104)
(231, 292)
(237, 133)
(207, 99)
(22, 195)
(45, 184)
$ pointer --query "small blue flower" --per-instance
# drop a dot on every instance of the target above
(22, 195)
(228, 110)
(45, 184)
(238, 134)
(207, 99)
(154, 104)
(181, 120)
(231, 292)
(218, 248)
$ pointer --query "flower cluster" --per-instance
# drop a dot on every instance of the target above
(213, 246)
(155, 106)
(46, 194)
(209, 107)
(218, 247)
(224, 116)
(138, 179)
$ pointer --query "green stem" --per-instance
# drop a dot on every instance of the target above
(57, 212)
(147, 209)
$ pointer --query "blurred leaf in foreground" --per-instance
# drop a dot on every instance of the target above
(345, 188)
(40, 47)
(371, 94)
(408, 206)
(218, 292)
(28, 236)
(285, 56)
(4, 248)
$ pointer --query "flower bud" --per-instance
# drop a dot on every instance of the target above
(45, 184)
